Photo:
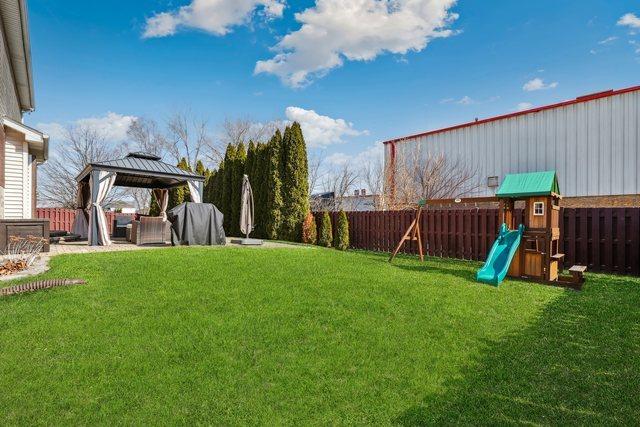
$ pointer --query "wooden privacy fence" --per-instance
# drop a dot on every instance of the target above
(605, 240)
(62, 219)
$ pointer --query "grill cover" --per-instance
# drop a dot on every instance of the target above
(196, 224)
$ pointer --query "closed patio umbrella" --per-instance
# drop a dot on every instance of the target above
(246, 207)
(246, 213)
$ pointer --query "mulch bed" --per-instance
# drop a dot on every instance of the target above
(12, 267)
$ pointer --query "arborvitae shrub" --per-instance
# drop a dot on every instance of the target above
(273, 197)
(309, 232)
(326, 231)
(154, 208)
(342, 232)
(295, 184)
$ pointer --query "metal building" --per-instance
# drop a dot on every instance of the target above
(593, 142)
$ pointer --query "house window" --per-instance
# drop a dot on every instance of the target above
(538, 208)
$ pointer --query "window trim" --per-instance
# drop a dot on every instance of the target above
(538, 204)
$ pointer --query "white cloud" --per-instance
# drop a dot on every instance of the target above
(338, 159)
(374, 153)
(213, 16)
(333, 31)
(608, 40)
(112, 127)
(524, 106)
(629, 20)
(321, 131)
(538, 84)
(467, 100)
(54, 130)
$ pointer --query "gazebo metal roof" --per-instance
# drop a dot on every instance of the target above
(142, 170)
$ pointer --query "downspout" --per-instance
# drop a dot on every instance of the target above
(391, 170)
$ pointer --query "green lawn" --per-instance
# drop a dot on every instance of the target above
(314, 336)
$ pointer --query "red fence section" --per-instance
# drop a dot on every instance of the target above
(604, 239)
(62, 219)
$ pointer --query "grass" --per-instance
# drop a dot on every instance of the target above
(314, 336)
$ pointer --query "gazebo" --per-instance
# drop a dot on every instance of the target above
(140, 170)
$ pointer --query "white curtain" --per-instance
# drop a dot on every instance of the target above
(194, 191)
(162, 197)
(100, 184)
(80, 224)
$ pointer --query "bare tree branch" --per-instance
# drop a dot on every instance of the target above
(341, 181)
(146, 136)
(80, 146)
(430, 177)
(316, 173)
(373, 176)
(188, 137)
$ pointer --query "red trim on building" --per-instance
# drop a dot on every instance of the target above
(578, 100)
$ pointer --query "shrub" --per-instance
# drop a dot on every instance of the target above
(342, 232)
(273, 198)
(295, 183)
(326, 231)
(309, 232)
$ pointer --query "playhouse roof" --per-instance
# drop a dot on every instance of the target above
(529, 184)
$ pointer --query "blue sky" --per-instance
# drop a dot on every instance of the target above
(368, 74)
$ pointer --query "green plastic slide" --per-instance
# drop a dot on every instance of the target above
(502, 252)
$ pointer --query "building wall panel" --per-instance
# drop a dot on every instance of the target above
(593, 146)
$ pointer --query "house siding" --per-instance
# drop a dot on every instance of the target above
(593, 145)
(17, 195)
(9, 104)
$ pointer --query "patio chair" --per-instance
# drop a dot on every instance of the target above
(120, 226)
(150, 230)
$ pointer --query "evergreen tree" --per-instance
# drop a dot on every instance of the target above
(273, 199)
(236, 192)
(209, 186)
(154, 207)
(295, 194)
(342, 232)
(227, 187)
(326, 231)
(217, 187)
(250, 166)
(181, 194)
(200, 169)
(250, 163)
(260, 189)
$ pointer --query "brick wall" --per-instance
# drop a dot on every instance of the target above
(620, 201)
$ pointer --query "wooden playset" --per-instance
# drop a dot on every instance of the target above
(530, 250)
(537, 256)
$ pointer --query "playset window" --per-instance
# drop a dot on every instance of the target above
(538, 208)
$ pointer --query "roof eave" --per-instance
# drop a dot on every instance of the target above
(29, 103)
(37, 140)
